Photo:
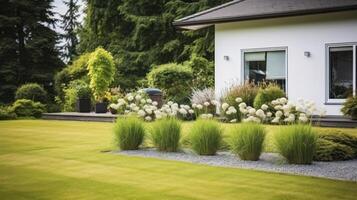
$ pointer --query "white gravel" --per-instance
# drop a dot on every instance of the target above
(272, 162)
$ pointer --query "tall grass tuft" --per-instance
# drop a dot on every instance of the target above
(297, 143)
(129, 133)
(166, 134)
(247, 141)
(205, 136)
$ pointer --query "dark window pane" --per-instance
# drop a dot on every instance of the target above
(341, 72)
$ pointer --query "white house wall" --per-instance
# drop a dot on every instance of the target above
(306, 75)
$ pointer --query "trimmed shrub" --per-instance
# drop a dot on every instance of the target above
(296, 143)
(203, 71)
(6, 113)
(247, 141)
(206, 137)
(31, 91)
(166, 134)
(28, 108)
(341, 138)
(101, 71)
(349, 108)
(129, 133)
(247, 91)
(268, 94)
(332, 151)
(174, 80)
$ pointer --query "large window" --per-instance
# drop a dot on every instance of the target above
(341, 72)
(268, 66)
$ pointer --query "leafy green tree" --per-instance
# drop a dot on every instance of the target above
(140, 34)
(70, 26)
(28, 50)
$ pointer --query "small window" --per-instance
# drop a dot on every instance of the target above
(341, 70)
(268, 66)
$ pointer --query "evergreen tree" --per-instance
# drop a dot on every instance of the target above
(70, 25)
(27, 45)
(140, 34)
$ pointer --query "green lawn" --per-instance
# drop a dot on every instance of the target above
(65, 160)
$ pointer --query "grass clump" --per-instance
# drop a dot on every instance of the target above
(247, 141)
(205, 136)
(297, 143)
(166, 134)
(129, 133)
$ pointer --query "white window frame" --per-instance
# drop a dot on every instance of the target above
(268, 49)
(354, 48)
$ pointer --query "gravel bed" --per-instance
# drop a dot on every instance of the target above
(272, 162)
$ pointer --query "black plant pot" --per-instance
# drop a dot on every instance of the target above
(113, 111)
(101, 107)
(83, 105)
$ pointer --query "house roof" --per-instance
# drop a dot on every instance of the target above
(240, 10)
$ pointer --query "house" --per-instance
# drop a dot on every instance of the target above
(309, 47)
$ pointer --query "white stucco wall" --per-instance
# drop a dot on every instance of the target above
(306, 75)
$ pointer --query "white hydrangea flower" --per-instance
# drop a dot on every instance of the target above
(214, 102)
(154, 103)
(194, 105)
(264, 107)
(303, 119)
(183, 111)
(148, 118)
(199, 106)
(137, 97)
(243, 110)
(275, 120)
(206, 103)
(148, 111)
(233, 121)
(251, 111)
(225, 106)
(260, 113)
(242, 105)
(187, 107)
(141, 113)
(148, 101)
(239, 100)
(269, 114)
(130, 98)
(209, 116)
(283, 100)
(191, 111)
(170, 103)
(278, 107)
(114, 106)
(142, 101)
(279, 114)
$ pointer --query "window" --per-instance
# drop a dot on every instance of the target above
(341, 72)
(269, 66)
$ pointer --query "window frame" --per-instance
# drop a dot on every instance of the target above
(328, 100)
(267, 49)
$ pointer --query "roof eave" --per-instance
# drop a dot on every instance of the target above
(187, 24)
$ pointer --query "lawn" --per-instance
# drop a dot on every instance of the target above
(68, 160)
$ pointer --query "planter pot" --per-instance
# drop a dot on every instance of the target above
(354, 114)
(101, 107)
(113, 111)
(83, 105)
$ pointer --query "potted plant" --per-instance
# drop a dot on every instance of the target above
(101, 71)
(84, 99)
(350, 108)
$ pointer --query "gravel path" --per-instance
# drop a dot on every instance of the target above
(272, 162)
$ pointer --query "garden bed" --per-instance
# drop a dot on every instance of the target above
(272, 162)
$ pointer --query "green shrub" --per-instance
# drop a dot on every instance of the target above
(332, 151)
(129, 133)
(205, 136)
(349, 108)
(31, 91)
(76, 70)
(6, 113)
(28, 108)
(101, 72)
(268, 94)
(76, 89)
(340, 138)
(247, 141)
(247, 91)
(166, 134)
(174, 80)
(297, 143)
(203, 71)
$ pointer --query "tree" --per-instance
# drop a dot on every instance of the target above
(27, 45)
(70, 25)
(140, 34)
